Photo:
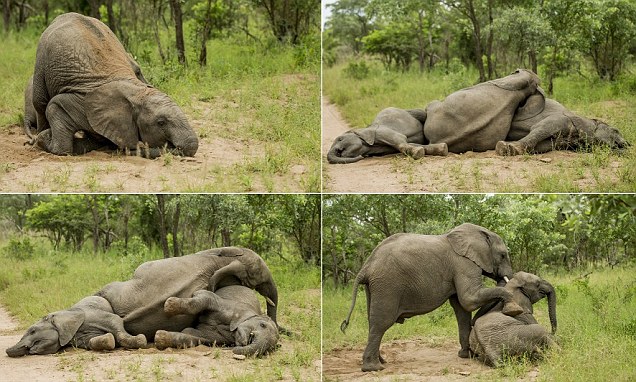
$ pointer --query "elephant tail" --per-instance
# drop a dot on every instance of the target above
(359, 280)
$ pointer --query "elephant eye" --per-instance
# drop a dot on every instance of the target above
(161, 122)
(263, 325)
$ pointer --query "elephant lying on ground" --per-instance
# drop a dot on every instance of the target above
(231, 316)
(89, 324)
(393, 130)
(140, 301)
(543, 125)
(85, 81)
(496, 335)
(409, 274)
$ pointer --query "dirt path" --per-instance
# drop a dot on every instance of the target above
(469, 172)
(197, 364)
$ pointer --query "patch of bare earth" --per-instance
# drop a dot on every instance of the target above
(468, 172)
(24, 168)
(196, 364)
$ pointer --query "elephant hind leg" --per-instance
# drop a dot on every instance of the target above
(103, 342)
(463, 326)
(235, 269)
(165, 339)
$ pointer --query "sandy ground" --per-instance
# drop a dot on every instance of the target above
(468, 172)
(410, 360)
(27, 169)
(197, 364)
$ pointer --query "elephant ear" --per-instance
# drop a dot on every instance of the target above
(110, 112)
(473, 242)
(518, 80)
(535, 104)
(67, 323)
(366, 134)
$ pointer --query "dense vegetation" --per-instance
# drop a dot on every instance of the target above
(492, 36)
(275, 226)
(543, 232)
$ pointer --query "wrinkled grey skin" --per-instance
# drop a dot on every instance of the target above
(231, 316)
(89, 324)
(543, 125)
(30, 116)
(393, 130)
(410, 274)
(85, 81)
(140, 301)
(496, 335)
(476, 118)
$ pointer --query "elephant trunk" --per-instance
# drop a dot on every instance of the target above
(18, 350)
(261, 345)
(334, 157)
(185, 142)
(551, 294)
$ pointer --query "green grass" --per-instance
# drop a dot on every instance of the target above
(41, 281)
(360, 99)
(596, 332)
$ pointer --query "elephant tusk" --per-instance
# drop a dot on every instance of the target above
(269, 301)
(506, 279)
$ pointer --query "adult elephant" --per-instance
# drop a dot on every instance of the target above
(496, 335)
(543, 125)
(410, 274)
(476, 118)
(136, 307)
(231, 316)
(85, 81)
(393, 130)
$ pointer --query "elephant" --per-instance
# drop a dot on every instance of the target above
(140, 301)
(543, 125)
(495, 335)
(410, 274)
(85, 81)
(30, 125)
(393, 130)
(89, 324)
(476, 118)
(230, 316)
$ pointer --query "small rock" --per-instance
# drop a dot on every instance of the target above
(239, 356)
(464, 373)
(546, 160)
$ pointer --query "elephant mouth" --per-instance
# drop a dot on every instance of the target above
(17, 351)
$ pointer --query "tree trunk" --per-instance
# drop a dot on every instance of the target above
(205, 34)
(420, 40)
(178, 27)
(226, 237)
(91, 200)
(94, 4)
(163, 232)
(175, 230)
(45, 5)
(470, 9)
(6, 14)
(112, 23)
(491, 69)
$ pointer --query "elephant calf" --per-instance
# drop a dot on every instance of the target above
(496, 335)
(393, 130)
(89, 324)
(543, 125)
(231, 316)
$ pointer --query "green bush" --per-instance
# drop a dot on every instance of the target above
(19, 248)
(357, 70)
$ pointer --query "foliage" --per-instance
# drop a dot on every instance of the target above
(541, 231)
(130, 224)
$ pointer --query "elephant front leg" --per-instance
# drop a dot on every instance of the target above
(463, 326)
(103, 342)
(115, 325)
(201, 300)
(177, 340)
(65, 116)
(554, 126)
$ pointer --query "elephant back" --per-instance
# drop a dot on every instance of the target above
(77, 54)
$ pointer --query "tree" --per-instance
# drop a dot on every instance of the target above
(289, 20)
(350, 22)
(175, 6)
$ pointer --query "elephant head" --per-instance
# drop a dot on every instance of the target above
(485, 248)
(519, 80)
(351, 146)
(609, 136)
(532, 289)
(128, 112)
(254, 336)
(49, 335)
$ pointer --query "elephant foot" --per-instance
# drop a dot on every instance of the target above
(438, 149)
(382, 360)
(372, 366)
(133, 342)
(509, 148)
(163, 340)
(103, 342)
(465, 353)
(43, 140)
(512, 309)
(172, 306)
(416, 152)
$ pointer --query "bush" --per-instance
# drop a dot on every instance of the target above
(357, 70)
(19, 248)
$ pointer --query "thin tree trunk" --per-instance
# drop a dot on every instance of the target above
(163, 232)
(178, 27)
(6, 14)
(91, 200)
(420, 40)
(175, 229)
(205, 35)
(112, 23)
